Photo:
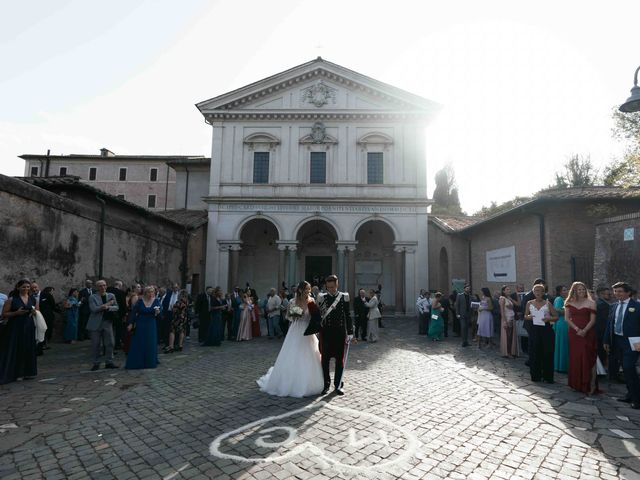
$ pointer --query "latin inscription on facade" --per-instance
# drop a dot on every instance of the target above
(318, 208)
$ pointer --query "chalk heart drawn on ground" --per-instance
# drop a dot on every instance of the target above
(337, 437)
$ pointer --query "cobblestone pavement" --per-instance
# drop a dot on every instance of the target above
(413, 409)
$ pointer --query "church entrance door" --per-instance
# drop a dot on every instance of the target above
(317, 267)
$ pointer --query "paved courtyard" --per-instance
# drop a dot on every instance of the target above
(413, 409)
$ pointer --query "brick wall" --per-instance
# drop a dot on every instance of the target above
(616, 259)
(456, 248)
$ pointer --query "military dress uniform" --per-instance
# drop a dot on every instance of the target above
(336, 326)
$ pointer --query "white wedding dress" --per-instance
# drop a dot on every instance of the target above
(297, 371)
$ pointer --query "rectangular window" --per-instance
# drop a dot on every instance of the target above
(34, 171)
(93, 172)
(153, 175)
(120, 196)
(63, 171)
(375, 170)
(151, 201)
(318, 169)
(122, 175)
(261, 167)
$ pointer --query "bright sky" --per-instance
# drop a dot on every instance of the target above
(521, 83)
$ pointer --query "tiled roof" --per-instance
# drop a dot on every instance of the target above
(188, 218)
(114, 158)
(453, 223)
(572, 193)
(70, 181)
(590, 193)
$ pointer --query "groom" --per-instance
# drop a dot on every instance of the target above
(336, 332)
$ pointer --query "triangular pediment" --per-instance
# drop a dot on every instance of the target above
(317, 87)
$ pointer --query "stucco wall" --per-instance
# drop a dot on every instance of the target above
(55, 240)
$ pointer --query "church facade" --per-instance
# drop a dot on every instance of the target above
(318, 170)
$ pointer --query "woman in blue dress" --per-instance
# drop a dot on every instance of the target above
(214, 335)
(143, 351)
(561, 355)
(71, 316)
(18, 349)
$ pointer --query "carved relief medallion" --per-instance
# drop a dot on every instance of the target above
(319, 94)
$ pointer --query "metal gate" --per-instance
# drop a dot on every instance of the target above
(582, 270)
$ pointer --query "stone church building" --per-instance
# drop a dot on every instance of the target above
(315, 170)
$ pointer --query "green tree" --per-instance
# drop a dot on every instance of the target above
(494, 208)
(626, 171)
(445, 195)
(578, 172)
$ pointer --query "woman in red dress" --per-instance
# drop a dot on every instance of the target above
(255, 324)
(580, 313)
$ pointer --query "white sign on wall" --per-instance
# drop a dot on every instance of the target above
(628, 234)
(501, 265)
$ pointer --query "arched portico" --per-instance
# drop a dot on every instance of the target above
(256, 249)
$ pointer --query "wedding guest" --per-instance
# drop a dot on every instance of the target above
(446, 310)
(580, 312)
(202, 308)
(542, 315)
(227, 316)
(255, 322)
(464, 313)
(423, 305)
(215, 333)
(18, 359)
(246, 318)
(508, 331)
(527, 323)
(436, 323)
(48, 308)
(236, 301)
(133, 295)
(84, 312)
(103, 308)
(143, 349)
(120, 319)
(179, 320)
(561, 327)
(485, 318)
(624, 323)
(603, 307)
(284, 323)
(360, 311)
(71, 316)
(373, 316)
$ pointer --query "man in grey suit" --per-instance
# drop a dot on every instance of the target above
(463, 312)
(103, 307)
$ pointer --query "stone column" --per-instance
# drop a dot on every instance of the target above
(223, 267)
(340, 262)
(351, 269)
(282, 258)
(292, 265)
(410, 279)
(398, 261)
(234, 264)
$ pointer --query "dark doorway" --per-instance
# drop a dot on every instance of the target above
(317, 266)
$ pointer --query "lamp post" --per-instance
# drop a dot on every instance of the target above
(633, 102)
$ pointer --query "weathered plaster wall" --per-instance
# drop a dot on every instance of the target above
(55, 240)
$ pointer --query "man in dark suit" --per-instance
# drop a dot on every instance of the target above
(463, 312)
(336, 332)
(361, 310)
(119, 318)
(202, 307)
(603, 307)
(84, 311)
(624, 322)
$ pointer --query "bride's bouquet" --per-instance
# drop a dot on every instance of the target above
(294, 312)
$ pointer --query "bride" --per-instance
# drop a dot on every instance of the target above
(297, 371)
